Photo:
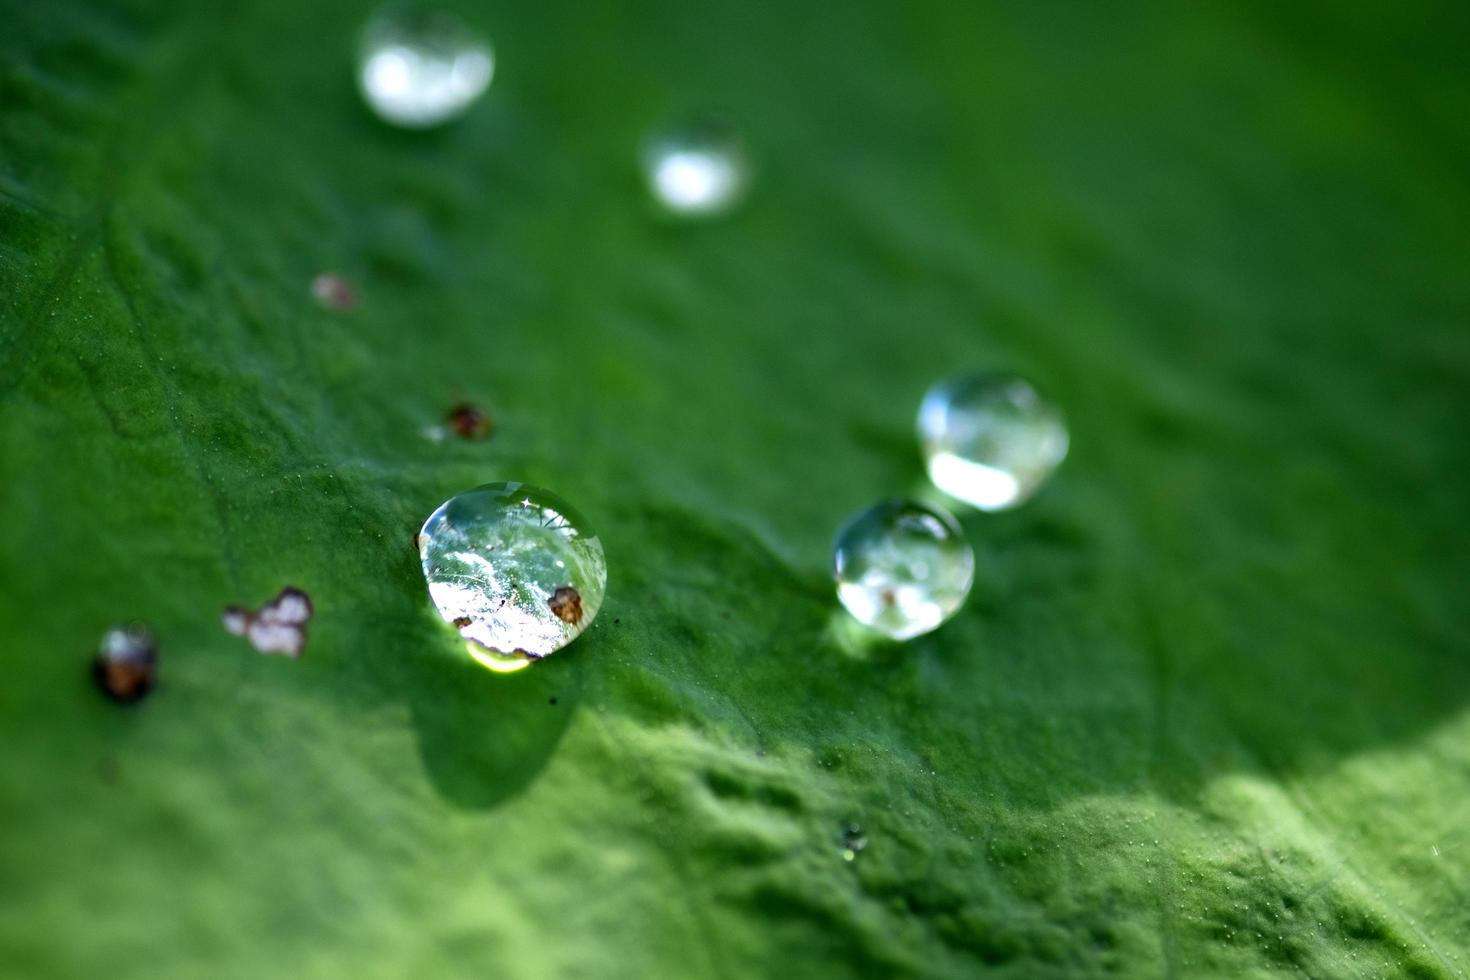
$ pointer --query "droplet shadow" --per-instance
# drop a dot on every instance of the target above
(483, 736)
(860, 643)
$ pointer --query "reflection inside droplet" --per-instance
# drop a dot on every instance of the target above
(984, 487)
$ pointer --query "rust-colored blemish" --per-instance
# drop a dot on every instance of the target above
(470, 421)
(566, 604)
(126, 668)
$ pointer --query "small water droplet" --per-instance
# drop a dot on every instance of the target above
(697, 170)
(990, 440)
(126, 665)
(853, 841)
(902, 568)
(520, 565)
(422, 68)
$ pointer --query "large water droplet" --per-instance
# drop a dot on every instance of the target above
(903, 568)
(422, 68)
(990, 439)
(516, 569)
(697, 170)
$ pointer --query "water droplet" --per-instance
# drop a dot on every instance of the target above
(853, 841)
(903, 568)
(422, 68)
(516, 569)
(126, 665)
(990, 440)
(697, 170)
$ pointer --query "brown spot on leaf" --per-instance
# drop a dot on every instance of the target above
(566, 604)
(126, 665)
(470, 421)
(463, 621)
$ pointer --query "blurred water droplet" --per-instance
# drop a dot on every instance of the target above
(902, 568)
(419, 68)
(333, 292)
(990, 440)
(126, 665)
(697, 170)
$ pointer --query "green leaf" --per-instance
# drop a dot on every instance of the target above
(1204, 715)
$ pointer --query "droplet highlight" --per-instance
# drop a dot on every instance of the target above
(697, 170)
(422, 68)
(515, 569)
(990, 440)
(903, 568)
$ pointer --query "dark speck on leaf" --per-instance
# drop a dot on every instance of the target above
(463, 621)
(551, 701)
(470, 421)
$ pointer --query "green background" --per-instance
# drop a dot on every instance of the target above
(1204, 715)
